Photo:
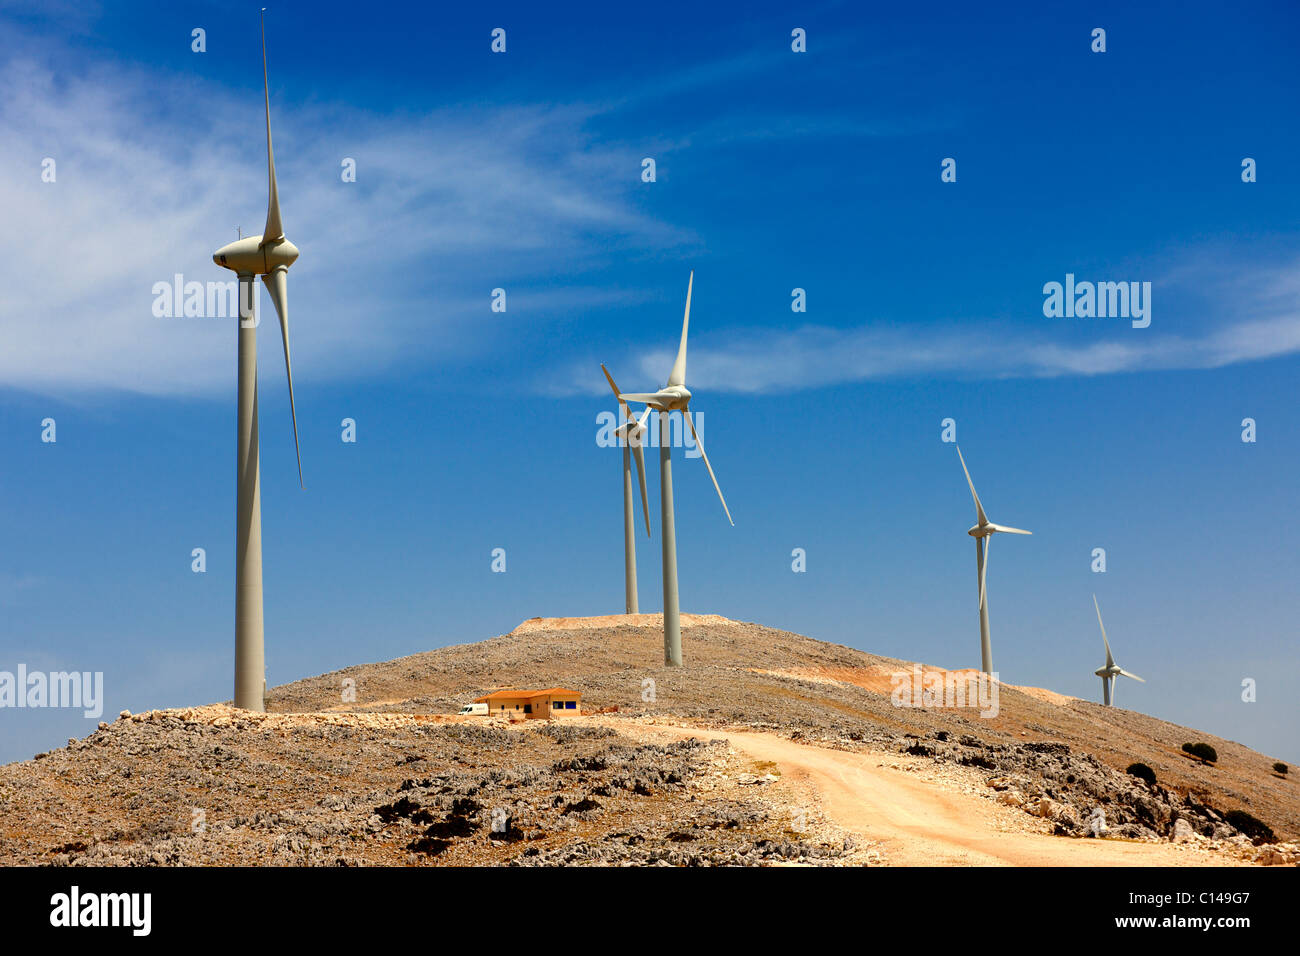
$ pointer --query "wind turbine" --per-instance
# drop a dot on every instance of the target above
(268, 255)
(983, 534)
(673, 397)
(631, 434)
(1111, 670)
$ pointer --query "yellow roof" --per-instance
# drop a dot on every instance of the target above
(527, 694)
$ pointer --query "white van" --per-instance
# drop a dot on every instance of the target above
(473, 710)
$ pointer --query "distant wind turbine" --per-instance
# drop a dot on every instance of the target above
(673, 397)
(983, 534)
(268, 255)
(1111, 670)
(631, 435)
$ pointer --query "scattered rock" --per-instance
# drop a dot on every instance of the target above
(1096, 825)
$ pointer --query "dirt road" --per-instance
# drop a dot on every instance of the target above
(919, 822)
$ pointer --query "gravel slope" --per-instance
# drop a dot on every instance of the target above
(746, 675)
(390, 778)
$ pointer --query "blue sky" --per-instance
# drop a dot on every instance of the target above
(775, 170)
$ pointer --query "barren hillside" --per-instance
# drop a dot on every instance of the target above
(749, 675)
(385, 779)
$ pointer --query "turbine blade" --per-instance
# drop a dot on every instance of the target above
(1002, 527)
(639, 453)
(277, 284)
(634, 436)
(678, 375)
(984, 571)
(614, 388)
(687, 415)
(639, 397)
(1133, 676)
(979, 508)
(627, 412)
(274, 231)
(1110, 661)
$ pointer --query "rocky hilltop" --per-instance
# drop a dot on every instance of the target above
(368, 765)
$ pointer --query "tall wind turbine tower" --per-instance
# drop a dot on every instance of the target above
(269, 256)
(673, 397)
(983, 533)
(631, 434)
(1110, 670)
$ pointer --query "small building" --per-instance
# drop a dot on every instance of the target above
(533, 704)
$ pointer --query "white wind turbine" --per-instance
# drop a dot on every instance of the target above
(268, 255)
(1111, 670)
(983, 533)
(631, 435)
(673, 397)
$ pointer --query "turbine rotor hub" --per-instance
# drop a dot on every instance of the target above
(674, 398)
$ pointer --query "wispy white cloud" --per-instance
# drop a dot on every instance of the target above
(1256, 315)
(154, 173)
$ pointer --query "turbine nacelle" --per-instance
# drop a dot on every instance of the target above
(251, 257)
(632, 432)
(671, 398)
(988, 528)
